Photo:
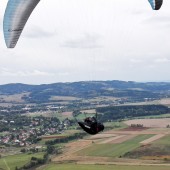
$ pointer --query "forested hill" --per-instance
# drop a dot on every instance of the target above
(88, 89)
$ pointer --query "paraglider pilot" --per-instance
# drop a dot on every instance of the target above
(91, 125)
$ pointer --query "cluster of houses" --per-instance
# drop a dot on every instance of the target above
(17, 138)
(28, 135)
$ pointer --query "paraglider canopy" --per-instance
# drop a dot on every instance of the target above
(156, 4)
(16, 15)
(18, 11)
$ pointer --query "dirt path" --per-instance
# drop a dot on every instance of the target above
(123, 139)
(110, 140)
(6, 164)
(152, 139)
(102, 136)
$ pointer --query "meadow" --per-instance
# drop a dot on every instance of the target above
(13, 161)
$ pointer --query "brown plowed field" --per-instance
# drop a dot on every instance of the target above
(151, 123)
(67, 114)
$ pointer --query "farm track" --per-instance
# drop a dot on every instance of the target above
(110, 140)
(152, 139)
(123, 139)
(6, 164)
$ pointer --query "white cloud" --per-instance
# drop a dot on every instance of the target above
(23, 73)
(136, 61)
(38, 32)
(85, 40)
(162, 60)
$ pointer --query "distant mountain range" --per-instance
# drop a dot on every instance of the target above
(88, 89)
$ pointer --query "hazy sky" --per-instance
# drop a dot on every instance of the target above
(75, 40)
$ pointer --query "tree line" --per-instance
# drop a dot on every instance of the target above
(124, 112)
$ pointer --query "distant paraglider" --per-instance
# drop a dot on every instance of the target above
(18, 11)
(156, 4)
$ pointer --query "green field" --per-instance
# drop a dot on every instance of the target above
(159, 150)
(113, 150)
(163, 141)
(115, 125)
(10, 162)
(101, 167)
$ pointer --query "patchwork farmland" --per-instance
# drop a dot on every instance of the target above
(113, 147)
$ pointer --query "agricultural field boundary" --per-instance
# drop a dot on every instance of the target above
(152, 139)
